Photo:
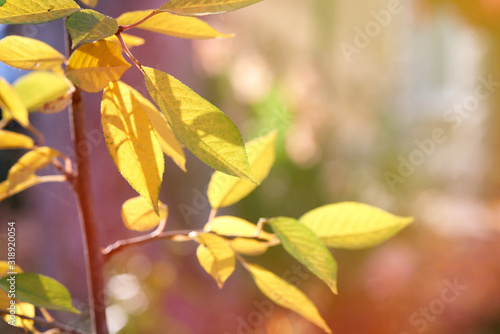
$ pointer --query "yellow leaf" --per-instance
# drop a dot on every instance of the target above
(170, 24)
(234, 226)
(131, 141)
(12, 105)
(168, 142)
(307, 248)
(9, 139)
(216, 257)
(35, 11)
(285, 294)
(40, 89)
(130, 40)
(25, 309)
(205, 130)
(87, 26)
(6, 190)
(90, 3)
(138, 216)
(353, 225)
(29, 54)
(204, 7)
(93, 65)
(224, 190)
(29, 163)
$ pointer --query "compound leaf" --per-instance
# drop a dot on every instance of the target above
(40, 290)
(29, 54)
(353, 225)
(216, 257)
(87, 25)
(173, 25)
(35, 11)
(204, 7)
(224, 190)
(137, 214)
(205, 130)
(307, 248)
(285, 294)
(93, 65)
(131, 141)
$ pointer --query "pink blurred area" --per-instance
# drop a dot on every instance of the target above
(357, 91)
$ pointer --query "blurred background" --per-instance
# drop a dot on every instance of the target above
(393, 103)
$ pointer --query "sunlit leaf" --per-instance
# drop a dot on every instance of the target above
(234, 226)
(204, 7)
(307, 248)
(93, 65)
(90, 3)
(353, 225)
(29, 54)
(12, 105)
(7, 190)
(286, 295)
(168, 142)
(9, 139)
(137, 214)
(87, 25)
(40, 89)
(25, 309)
(41, 291)
(216, 257)
(29, 163)
(35, 11)
(173, 25)
(224, 190)
(131, 141)
(205, 130)
(130, 40)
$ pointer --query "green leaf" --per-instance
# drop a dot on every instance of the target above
(353, 225)
(29, 54)
(234, 226)
(285, 294)
(166, 137)
(35, 11)
(307, 248)
(224, 190)
(41, 291)
(216, 257)
(93, 65)
(9, 139)
(205, 130)
(12, 105)
(204, 7)
(87, 25)
(40, 89)
(137, 214)
(131, 141)
(173, 25)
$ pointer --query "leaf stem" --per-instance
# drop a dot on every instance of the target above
(211, 216)
(127, 51)
(133, 25)
(50, 324)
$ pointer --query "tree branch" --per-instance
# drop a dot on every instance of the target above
(52, 324)
(82, 185)
(180, 235)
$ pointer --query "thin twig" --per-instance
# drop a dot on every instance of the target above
(43, 322)
(181, 235)
(133, 25)
(127, 51)
(40, 137)
(211, 217)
